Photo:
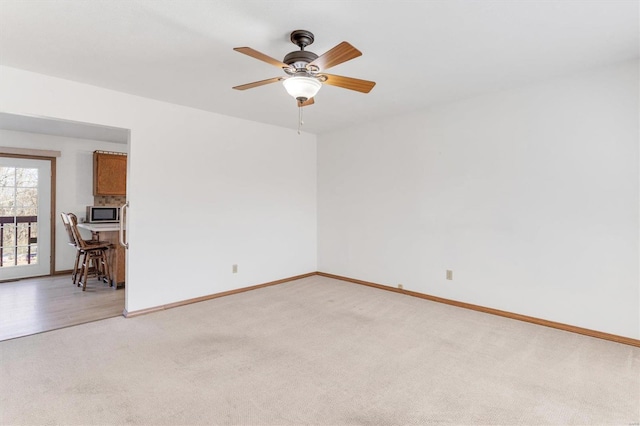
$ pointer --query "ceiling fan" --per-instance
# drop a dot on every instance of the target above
(306, 71)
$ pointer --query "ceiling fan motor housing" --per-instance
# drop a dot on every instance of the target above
(299, 58)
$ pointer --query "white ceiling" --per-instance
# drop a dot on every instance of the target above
(420, 53)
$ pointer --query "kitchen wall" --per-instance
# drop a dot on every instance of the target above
(207, 191)
(74, 178)
(529, 196)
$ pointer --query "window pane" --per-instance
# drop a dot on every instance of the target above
(7, 196)
(7, 176)
(7, 216)
(34, 253)
(26, 197)
(34, 233)
(8, 236)
(8, 257)
(23, 255)
(23, 234)
(26, 177)
(26, 211)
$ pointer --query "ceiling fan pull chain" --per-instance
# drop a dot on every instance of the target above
(300, 122)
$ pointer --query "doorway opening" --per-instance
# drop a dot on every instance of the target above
(33, 234)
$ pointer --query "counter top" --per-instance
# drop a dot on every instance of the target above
(100, 227)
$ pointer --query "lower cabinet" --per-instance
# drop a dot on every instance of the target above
(117, 259)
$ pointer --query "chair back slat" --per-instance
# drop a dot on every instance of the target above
(67, 227)
(81, 242)
(73, 224)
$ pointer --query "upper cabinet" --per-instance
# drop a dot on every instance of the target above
(109, 173)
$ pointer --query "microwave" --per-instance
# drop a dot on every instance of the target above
(103, 214)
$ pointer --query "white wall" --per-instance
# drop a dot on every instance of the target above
(206, 191)
(74, 178)
(530, 196)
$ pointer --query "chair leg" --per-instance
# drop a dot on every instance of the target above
(74, 275)
(101, 273)
(84, 270)
(80, 273)
(106, 266)
(86, 266)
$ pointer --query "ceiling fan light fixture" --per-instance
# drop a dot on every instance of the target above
(302, 87)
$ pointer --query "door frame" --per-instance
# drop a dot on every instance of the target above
(33, 156)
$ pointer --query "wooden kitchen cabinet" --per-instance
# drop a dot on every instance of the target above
(117, 260)
(109, 173)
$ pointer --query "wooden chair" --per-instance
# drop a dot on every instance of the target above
(72, 243)
(91, 255)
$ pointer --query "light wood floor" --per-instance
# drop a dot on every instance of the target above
(42, 304)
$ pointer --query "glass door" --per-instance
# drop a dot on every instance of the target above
(25, 218)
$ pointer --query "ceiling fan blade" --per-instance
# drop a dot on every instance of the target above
(339, 54)
(258, 83)
(261, 56)
(356, 84)
(306, 103)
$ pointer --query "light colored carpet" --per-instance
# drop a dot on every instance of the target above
(317, 351)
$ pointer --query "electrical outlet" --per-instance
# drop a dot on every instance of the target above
(400, 286)
(234, 269)
(449, 274)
